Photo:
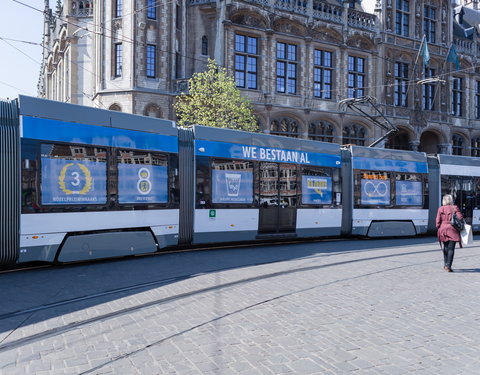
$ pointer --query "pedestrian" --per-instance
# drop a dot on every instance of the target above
(447, 234)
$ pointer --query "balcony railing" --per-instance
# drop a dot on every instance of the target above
(295, 6)
(318, 9)
(464, 46)
(361, 20)
(328, 12)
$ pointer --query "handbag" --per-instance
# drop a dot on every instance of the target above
(456, 222)
(466, 235)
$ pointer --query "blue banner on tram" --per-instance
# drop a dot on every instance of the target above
(375, 192)
(73, 182)
(142, 183)
(278, 155)
(316, 190)
(232, 186)
(408, 193)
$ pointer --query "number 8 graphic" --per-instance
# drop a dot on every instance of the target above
(144, 185)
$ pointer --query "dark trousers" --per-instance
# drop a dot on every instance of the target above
(448, 253)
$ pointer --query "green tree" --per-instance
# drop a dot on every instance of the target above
(214, 100)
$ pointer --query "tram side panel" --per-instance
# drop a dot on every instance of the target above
(255, 186)
(389, 192)
(91, 191)
(9, 182)
(460, 177)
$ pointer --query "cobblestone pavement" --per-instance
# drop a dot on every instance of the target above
(330, 307)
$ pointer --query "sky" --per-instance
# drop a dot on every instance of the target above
(19, 71)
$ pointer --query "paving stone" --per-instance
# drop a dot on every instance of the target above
(330, 307)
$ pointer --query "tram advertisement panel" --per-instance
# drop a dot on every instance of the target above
(232, 186)
(316, 190)
(142, 183)
(408, 193)
(375, 192)
(73, 182)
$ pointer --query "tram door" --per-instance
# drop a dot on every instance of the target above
(462, 190)
(278, 198)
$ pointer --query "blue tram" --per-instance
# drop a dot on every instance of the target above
(81, 183)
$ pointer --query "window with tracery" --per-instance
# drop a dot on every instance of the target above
(356, 76)
(354, 134)
(475, 145)
(204, 45)
(321, 131)
(285, 126)
(152, 110)
(429, 22)
(115, 107)
(458, 145)
(402, 17)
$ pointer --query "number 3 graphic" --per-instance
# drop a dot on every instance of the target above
(76, 177)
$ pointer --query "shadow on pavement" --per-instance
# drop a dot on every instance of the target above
(466, 270)
(25, 290)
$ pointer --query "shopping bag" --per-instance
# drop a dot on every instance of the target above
(466, 235)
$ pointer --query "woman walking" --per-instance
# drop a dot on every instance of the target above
(447, 234)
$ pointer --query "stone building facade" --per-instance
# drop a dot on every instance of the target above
(296, 60)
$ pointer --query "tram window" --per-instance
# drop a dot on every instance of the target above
(73, 175)
(477, 192)
(408, 189)
(232, 181)
(142, 177)
(372, 188)
(464, 190)
(30, 196)
(317, 186)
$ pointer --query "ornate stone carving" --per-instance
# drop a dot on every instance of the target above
(361, 43)
(327, 35)
(249, 20)
(290, 28)
(418, 118)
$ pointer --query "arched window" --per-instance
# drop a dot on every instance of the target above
(152, 110)
(476, 146)
(285, 126)
(399, 141)
(458, 145)
(204, 45)
(115, 107)
(354, 134)
(321, 131)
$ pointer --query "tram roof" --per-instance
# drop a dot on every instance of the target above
(459, 160)
(49, 109)
(384, 153)
(263, 140)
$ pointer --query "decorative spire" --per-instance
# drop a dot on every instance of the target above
(59, 7)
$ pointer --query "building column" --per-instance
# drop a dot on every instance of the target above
(414, 145)
(219, 53)
(444, 148)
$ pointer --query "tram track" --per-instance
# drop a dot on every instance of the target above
(77, 324)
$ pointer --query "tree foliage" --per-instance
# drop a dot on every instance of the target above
(214, 100)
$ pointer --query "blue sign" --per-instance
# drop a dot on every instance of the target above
(62, 131)
(375, 192)
(73, 182)
(389, 165)
(409, 193)
(249, 152)
(232, 186)
(142, 183)
(316, 190)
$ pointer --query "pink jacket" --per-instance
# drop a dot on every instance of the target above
(445, 230)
